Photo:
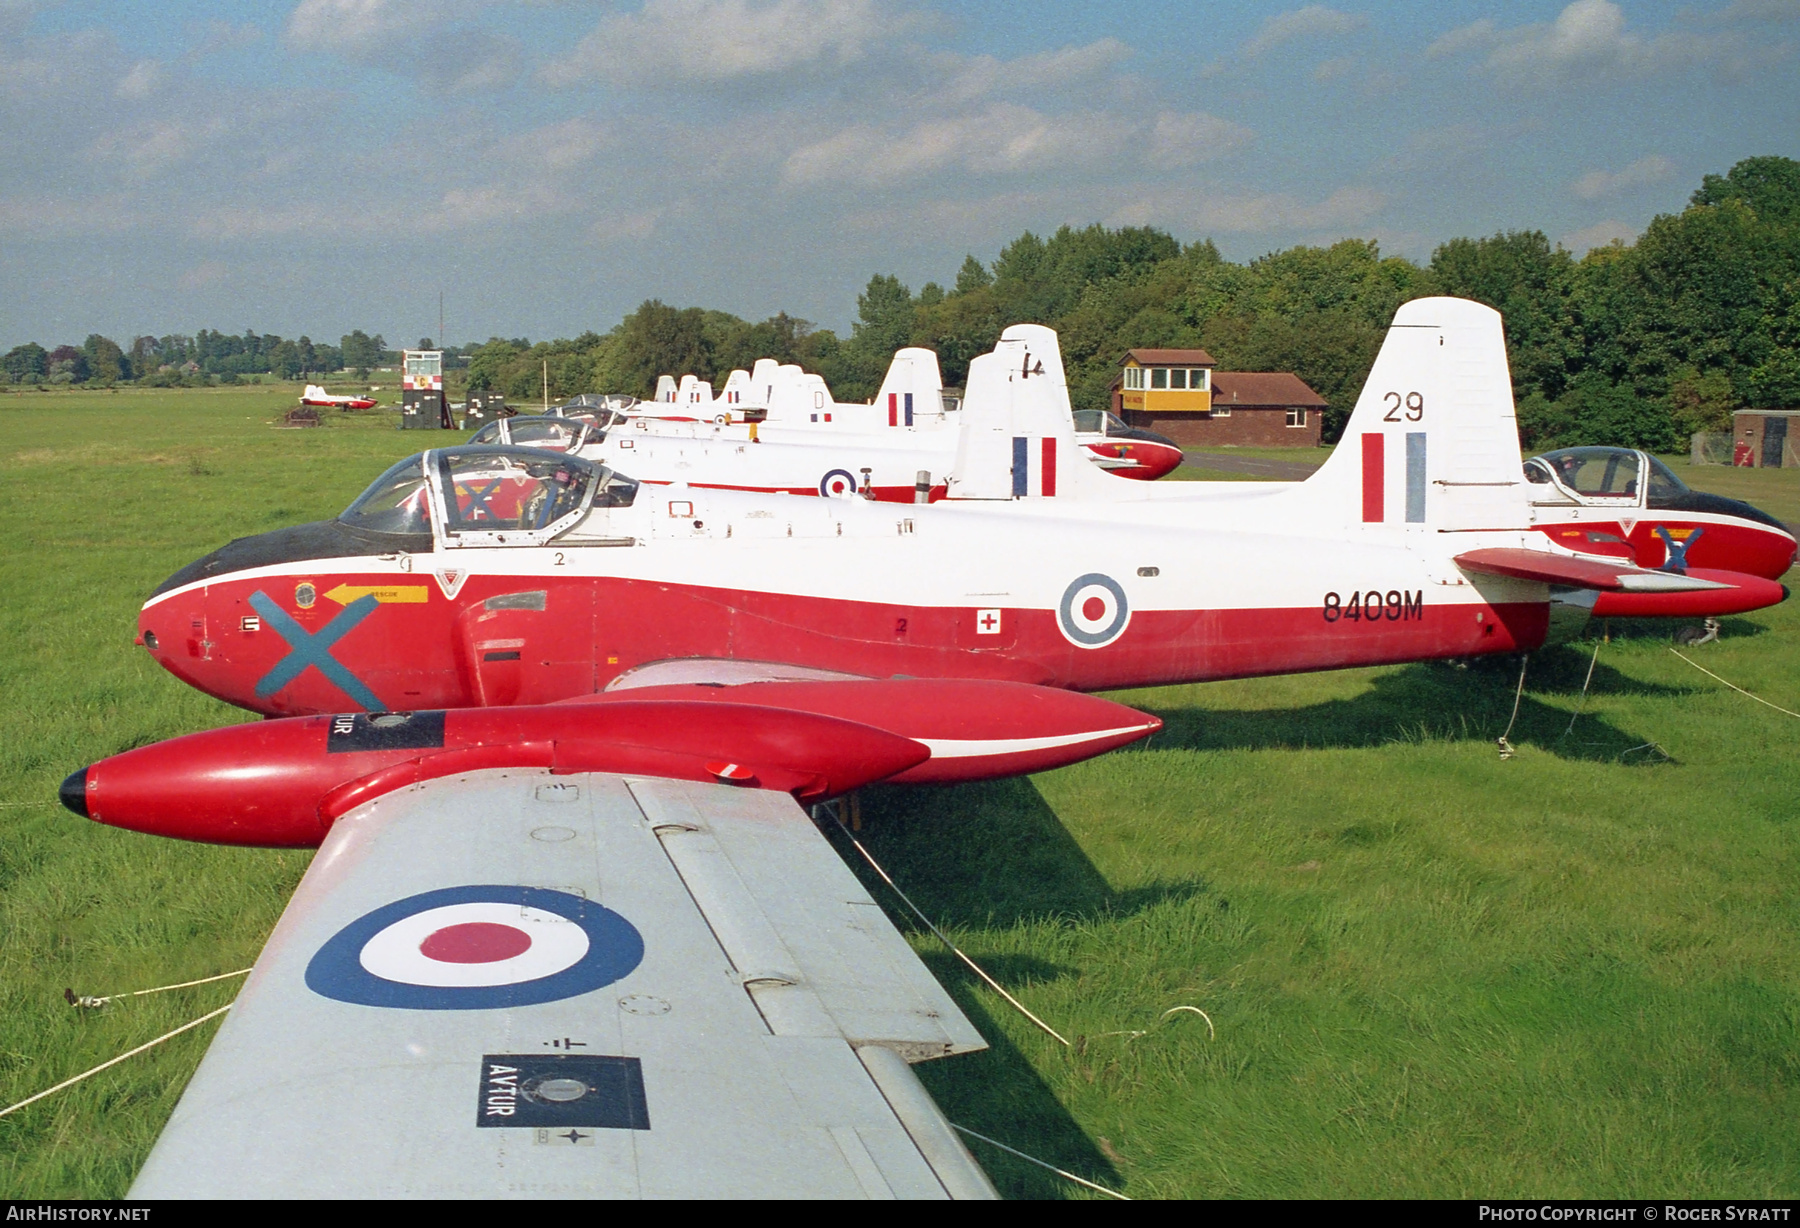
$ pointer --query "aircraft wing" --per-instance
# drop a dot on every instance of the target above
(512, 984)
(1580, 571)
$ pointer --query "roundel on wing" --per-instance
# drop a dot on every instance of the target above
(476, 948)
(838, 484)
(1093, 611)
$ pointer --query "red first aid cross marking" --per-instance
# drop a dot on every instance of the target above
(475, 942)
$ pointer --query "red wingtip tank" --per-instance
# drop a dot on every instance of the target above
(283, 783)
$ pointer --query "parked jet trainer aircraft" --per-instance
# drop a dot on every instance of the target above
(910, 427)
(1613, 502)
(315, 395)
(1627, 504)
(564, 935)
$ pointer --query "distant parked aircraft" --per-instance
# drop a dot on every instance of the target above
(315, 395)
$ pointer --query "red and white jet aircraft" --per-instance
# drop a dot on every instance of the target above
(316, 395)
(898, 448)
(565, 935)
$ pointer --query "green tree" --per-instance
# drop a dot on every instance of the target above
(1596, 411)
(658, 339)
(106, 361)
(1769, 185)
(972, 276)
(886, 315)
(1520, 275)
(68, 365)
(26, 363)
(362, 352)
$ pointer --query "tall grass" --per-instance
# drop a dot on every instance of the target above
(1429, 971)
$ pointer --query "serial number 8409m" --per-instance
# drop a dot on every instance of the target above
(1375, 606)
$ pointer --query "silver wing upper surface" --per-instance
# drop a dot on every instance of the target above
(706, 1004)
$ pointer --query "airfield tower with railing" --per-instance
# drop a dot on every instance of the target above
(422, 404)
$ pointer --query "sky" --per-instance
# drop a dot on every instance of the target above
(313, 166)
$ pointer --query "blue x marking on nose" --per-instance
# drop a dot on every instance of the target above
(478, 498)
(314, 648)
(1677, 560)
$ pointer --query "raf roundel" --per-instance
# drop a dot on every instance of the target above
(476, 948)
(838, 484)
(1093, 611)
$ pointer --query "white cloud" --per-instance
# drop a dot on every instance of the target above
(1189, 137)
(1476, 36)
(462, 57)
(1332, 70)
(1589, 38)
(1009, 139)
(617, 227)
(61, 217)
(217, 36)
(717, 40)
(1313, 21)
(141, 81)
(1642, 173)
(978, 76)
(1269, 213)
(206, 273)
(1599, 235)
(151, 147)
(351, 27)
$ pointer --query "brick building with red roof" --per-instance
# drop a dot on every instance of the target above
(1178, 393)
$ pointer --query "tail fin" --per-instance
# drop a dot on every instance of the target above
(737, 385)
(314, 392)
(762, 381)
(1433, 443)
(1018, 436)
(665, 389)
(692, 392)
(912, 393)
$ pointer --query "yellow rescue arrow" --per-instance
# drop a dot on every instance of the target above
(399, 594)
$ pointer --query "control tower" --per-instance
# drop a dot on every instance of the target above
(422, 404)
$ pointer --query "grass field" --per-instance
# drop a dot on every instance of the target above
(1430, 972)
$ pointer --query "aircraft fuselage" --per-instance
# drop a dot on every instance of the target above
(1072, 596)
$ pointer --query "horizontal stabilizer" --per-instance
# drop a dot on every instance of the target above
(1578, 571)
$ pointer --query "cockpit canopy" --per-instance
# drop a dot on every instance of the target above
(552, 434)
(1099, 422)
(1602, 477)
(479, 496)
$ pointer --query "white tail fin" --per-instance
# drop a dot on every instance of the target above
(762, 381)
(1018, 436)
(736, 390)
(665, 389)
(913, 392)
(795, 395)
(1433, 443)
(313, 393)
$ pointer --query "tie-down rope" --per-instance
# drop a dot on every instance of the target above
(74, 999)
(1061, 1172)
(115, 1061)
(1734, 686)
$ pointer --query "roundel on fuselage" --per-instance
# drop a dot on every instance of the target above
(476, 948)
(1093, 611)
(838, 484)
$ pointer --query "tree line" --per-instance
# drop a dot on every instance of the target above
(208, 356)
(1636, 344)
